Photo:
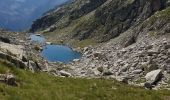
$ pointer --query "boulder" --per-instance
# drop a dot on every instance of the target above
(107, 72)
(153, 51)
(124, 68)
(85, 49)
(148, 85)
(138, 71)
(153, 77)
(32, 66)
(64, 73)
(123, 79)
(76, 60)
(168, 51)
(96, 71)
(48, 43)
(8, 79)
(97, 55)
(12, 50)
(167, 46)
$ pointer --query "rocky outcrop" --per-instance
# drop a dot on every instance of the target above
(99, 20)
(8, 79)
(64, 14)
(13, 53)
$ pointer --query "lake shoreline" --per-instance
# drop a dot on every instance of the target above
(47, 47)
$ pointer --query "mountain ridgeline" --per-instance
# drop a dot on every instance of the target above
(95, 20)
(17, 15)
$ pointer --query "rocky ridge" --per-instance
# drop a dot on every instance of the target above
(95, 21)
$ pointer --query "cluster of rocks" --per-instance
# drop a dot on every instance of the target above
(13, 53)
(142, 63)
(8, 79)
(15, 49)
(11, 37)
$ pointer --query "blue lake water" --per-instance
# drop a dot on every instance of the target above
(57, 53)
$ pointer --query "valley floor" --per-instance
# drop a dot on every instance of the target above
(41, 86)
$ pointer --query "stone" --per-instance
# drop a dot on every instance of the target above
(76, 60)
(124, 68)
(154, 76)
(96, 72)
(10, 79)
(97, 55)
(85, 49)
(100, 69)
(148, 85)
(167, 46)
(48, 43)
(64, 73)
(32, 66)
(122, 79)
(24, 59)
(107, 72)
(12, 50)
(123, 51)
(152, 51)
(138, 71)
(168, 51)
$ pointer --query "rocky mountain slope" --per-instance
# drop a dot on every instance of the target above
(134, 37)
(140, 50)
(93, 21)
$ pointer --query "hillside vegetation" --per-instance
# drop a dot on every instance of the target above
(41, 86)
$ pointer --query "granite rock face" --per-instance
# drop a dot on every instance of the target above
(99, 20)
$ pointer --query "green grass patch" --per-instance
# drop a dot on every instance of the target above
(83, 43)
(41, 86)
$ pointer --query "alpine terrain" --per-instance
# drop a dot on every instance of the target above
(120, 50)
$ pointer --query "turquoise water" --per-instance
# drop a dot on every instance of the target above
(56, 53)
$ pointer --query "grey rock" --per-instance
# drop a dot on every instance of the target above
(154, 76)
(148, 85)
(64, 73)
(32, 66)
(98, 55)
(153, 51)
(167, 46)
(138, 71)
(122, 79)
(8, 79)
(107, 72)
(76, 60)
(85, 49)
(48, 43)
(124, 68)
